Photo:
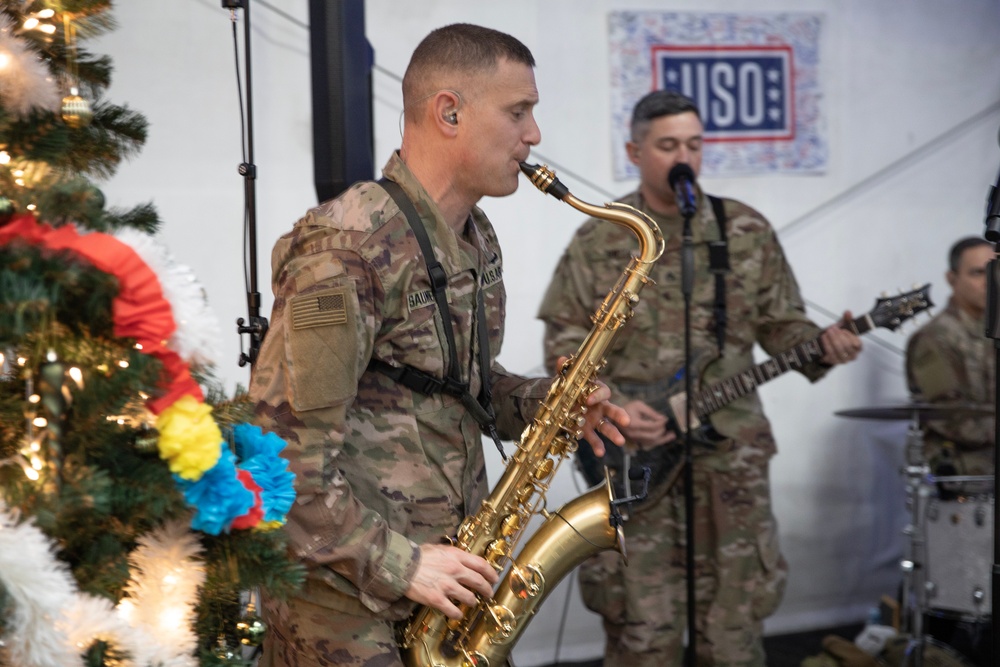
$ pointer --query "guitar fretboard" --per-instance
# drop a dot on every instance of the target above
(717, 396)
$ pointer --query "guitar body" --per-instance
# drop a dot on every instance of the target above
(663, 461)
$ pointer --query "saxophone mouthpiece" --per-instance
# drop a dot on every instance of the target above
(544, 179)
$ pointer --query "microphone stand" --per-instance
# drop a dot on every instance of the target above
(257, 327)
(687, 287)
(993, 331)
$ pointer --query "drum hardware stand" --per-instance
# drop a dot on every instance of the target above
(914, 595)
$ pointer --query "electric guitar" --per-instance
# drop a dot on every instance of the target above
(888, 313)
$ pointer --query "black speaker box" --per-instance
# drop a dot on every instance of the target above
(342, 60)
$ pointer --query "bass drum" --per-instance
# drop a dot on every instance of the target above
(959, 555)
(958, 562)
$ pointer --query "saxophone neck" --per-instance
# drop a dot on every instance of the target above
(651, 242)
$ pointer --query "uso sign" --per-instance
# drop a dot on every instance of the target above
(743, 92)
(756, 79)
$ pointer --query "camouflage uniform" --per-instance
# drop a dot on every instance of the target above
(949, 360)
(379, 469)
(739, 569)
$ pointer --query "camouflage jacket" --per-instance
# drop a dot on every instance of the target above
(379, 469)
(950, 359)
(762, 302)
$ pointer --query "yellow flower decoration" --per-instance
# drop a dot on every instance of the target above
(189, 437)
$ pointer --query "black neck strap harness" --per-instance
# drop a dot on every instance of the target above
(718, 263)
(421, 381)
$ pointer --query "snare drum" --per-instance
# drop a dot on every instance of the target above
(959, 556)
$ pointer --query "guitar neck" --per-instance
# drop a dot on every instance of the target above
(719, 395)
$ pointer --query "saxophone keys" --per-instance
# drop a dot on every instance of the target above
(475, 659)
(504, 624)
(510, 525)
(526, 582)
(524, 493)
(544, 469)
(496, 551)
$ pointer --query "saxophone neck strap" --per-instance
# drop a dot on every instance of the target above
(718, 263)
(421, 381)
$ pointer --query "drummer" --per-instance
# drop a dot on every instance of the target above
(950, 360)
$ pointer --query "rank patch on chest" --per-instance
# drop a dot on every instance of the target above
(319, 310)
(416, 300)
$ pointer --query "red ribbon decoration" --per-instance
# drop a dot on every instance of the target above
(256, 513)
(140, 310)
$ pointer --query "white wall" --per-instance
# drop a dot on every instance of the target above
(912, 101)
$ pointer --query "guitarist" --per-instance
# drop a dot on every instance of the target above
(739, 570)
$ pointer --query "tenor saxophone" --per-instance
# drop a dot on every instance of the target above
(488, 630)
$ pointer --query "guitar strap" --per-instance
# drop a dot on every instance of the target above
(718, 263)
(421, 381)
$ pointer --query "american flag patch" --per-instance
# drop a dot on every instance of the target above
(318, 310)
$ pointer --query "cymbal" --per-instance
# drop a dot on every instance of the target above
(920, 411)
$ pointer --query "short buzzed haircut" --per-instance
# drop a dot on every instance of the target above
(659, 103)
(458, 48)
(957, 250)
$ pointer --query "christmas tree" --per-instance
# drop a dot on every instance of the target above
(137, 509)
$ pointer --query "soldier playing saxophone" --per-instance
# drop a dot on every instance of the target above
(377, 378)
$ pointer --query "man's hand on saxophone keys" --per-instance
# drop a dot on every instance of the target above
(605, 418)
(446, 575)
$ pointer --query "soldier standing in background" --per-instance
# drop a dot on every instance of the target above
(350, 374)
(740, 573)
(950, 360)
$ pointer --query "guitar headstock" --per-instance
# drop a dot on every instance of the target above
(890, 312)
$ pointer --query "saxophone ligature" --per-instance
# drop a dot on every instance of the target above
(487, 631)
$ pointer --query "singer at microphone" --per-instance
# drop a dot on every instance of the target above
(736, 293)
(681, 179)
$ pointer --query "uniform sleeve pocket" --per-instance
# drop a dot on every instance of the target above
(321, 342)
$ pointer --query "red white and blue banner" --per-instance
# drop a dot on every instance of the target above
(754, 77)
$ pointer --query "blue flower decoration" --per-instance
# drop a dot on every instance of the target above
(218, 497)
(258, 453)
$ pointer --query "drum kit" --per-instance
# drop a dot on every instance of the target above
(946, 594)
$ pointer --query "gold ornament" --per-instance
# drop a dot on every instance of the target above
(250, 629)
(146, 438)
(76, 111)
(226, 654)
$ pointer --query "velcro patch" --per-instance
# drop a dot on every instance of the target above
(421, 299)
(491, 276)
(318, 311)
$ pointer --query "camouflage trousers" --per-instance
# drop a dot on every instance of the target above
(740, 574)
(302, 634)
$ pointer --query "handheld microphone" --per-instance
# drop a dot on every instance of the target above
(681, 179)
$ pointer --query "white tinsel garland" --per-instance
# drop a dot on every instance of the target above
(162, 593)
(40, 588)
(51, 623)
(91, 618)
(25, 80)
(197, 338)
